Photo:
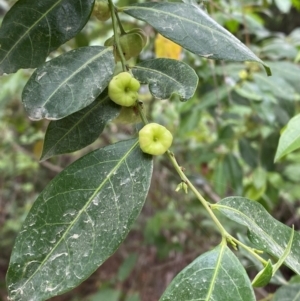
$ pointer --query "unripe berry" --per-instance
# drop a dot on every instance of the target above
(123, 89)
(101, 10)
(155, 139)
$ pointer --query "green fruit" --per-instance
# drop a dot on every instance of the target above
(155, 139)
(141, 33)
(132, 43)
(123, 88)
(101, 10)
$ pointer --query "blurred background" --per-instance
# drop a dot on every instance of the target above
(225, 137)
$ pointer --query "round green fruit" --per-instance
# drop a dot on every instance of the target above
(101, 10)
(155, 139)
(123, 89)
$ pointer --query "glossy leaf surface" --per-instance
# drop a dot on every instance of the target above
(79, 129)
(68, 83)
(265, 232)
(215, 275)
(32, 29)
(166, 77)
(78, 221)
(190, 27)
(289, 139)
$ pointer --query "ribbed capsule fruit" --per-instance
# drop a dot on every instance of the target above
(155, 139)
(101, 10)
(141, 33)
(132, 43)
(123, 89)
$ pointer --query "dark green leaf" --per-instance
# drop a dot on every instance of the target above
(78, 221)
(68, 83)
(234, 173)
(215, 275)
(32, 29)
(190, 27)
(79, 129)
(127, 266)
(265, 232)
(248, 153)
(166, 77)
(264, 276)
(219, 178)
(289, 292)
(289, 139)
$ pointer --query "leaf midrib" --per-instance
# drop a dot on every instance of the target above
(77, 71)
(247, 218)
(216, 271)
(107, 178)
(77, 123)
(158, 71)
(213, 30)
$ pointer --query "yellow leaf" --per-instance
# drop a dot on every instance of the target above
(37, 148)
(166, 48)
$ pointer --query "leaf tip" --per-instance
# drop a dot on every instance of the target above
(268, 70)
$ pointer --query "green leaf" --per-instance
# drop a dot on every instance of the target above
(259, 177)
(166, 77)
(285, 254)
(68, 83)
(289, 292)
(32, 29)
(275, 85)
(265, 232)
(219, 179)
(106, 294)
(248, 152)
(234, 173)
(127, 267)
(288, 71)
(264, 276)
(78, 221)
(190, 27)
(284, 5)
(215, 275)
(289, 139)
(79, 129)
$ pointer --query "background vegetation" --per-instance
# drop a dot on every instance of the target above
(227, 137)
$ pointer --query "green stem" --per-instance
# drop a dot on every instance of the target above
(249, 249)
(119, 22)
(116, 34)
(141, 112)
(195, 191)
(225, 235)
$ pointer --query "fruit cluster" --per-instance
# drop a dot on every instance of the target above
(154, 138)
